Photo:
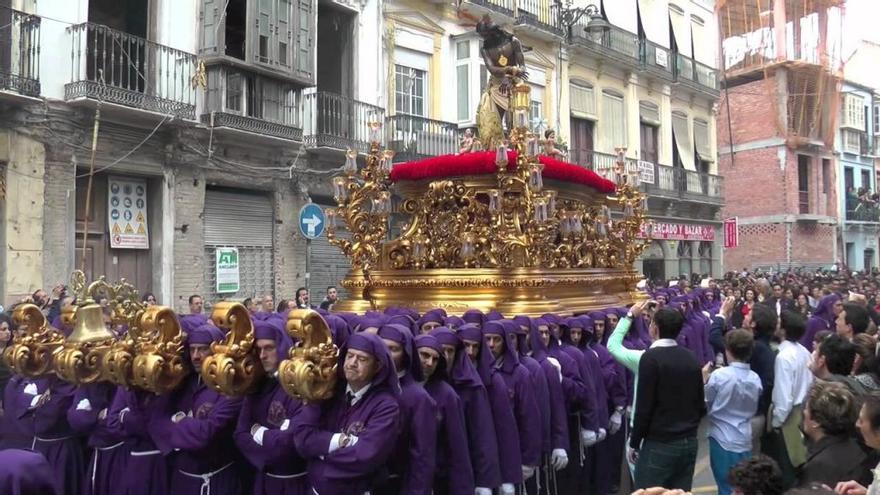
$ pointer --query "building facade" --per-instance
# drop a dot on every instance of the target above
(212, 139)
(776, 131)
(855, 146)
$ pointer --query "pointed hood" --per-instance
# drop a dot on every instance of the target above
(462, 373)
(402, 335)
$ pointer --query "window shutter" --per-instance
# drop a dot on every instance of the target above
(583, 100)
(212, 27)
(306, 20)
(701, 139)
(285, 34)
(613, 121)
(649, 113)
(263, 39)
(681, 133)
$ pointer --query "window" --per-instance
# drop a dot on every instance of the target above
(582, 142)
(804, 183)
(274, 33)
(849, 180)
(536, 106)
(648, 142)
(826, 176)
(234, 85)
(260, 97)
(701, 139)
(583, 100)
(853, 112)
(683, 152)
(877, 119)
(613, 120)
(851, 141)
(462, 79)
(866, 179)
(410, 90)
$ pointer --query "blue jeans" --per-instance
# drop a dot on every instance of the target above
(721, 461)
(666, 464)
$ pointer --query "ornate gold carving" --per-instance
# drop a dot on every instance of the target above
(233, 368)
(151, 358)
(310, 373)
(31, 353)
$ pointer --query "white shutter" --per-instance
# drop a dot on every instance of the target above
(704, 41)
(701, 139)
(613, 121)
(681, 29)
(655, 20)
(582, 100)
(622, 13)
(649, 113)
(681, 133)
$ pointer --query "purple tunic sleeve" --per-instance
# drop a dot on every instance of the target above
(132, 422)
(613, 374)
(461, 474)
(193, 433)
(509, 453)
(558, 413)
(311, 440)
(590, 399)
(51, 417)
(528, 418)
(83, 421)
(277, 445)
(419, 478)
(481, 437)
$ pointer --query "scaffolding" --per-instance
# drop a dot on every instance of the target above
(794, 46)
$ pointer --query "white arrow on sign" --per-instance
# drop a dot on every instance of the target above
(312, 224)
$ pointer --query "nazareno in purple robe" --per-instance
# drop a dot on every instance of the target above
(16, 432)
(482, 441)
(553, 372)
(506, 432)
(50, 432)
(109, 453)
(454, 473)
(200, 446)
(280, 469)
(373, 419)
(24, 472)
(822, 319)
(520, 389)
(413, 461)
(538, 379)
(146, 469)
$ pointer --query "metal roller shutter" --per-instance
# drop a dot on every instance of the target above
(244, 221)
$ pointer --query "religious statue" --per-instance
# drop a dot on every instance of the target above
(550, 148)
(503, 55)
(469, 143)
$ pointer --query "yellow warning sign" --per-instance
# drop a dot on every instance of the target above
(116, 229)
(140, 218)
(129, 229)
(141, 229)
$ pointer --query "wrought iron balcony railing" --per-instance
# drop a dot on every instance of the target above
(507, 7)
(413, 137)
(690, 71)
(540, 14)
(614, 43)
(121, 68)
(656, 59)
(339, 122)
(678, 183)
(19, 52)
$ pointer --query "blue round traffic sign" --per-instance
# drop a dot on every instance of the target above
(311, 221)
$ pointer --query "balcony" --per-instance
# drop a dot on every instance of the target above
(19, 53)
(656, 60)
(680, 184)
(413, 138)
(539, 18)
(245, 104)
(617, 44)
(862, 210)
(337, 122)
(503, 7)
(116, 67)
(694, 75)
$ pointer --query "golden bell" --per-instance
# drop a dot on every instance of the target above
(89, 325)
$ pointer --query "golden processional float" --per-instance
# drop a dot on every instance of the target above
(150, 355)
(508, 229)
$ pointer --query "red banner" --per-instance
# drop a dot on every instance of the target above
(731, 232)
(679, 232)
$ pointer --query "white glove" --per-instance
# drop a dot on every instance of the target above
(507, 489)
(482, 491)
(558, 459)
(528, 472)
(615, 422)
(30, 389)
(589, 438)
(602, 434)
(178, 417)
(84, 405)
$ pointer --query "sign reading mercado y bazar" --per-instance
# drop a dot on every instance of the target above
(679, 232)
(227, 270)
(127, 213)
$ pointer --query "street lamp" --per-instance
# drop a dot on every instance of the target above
(568, 16)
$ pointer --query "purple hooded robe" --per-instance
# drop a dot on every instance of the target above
(521, 390)
(454, 473)
(89, 416)
(509, 451)
(373, 419)
(146, 469)
(200, 445)
(24, 472)
(412, 463)
(280, 470)
(482, 441)
(822, 319)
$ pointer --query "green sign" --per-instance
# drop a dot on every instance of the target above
(227, 270)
